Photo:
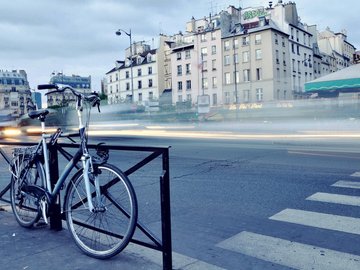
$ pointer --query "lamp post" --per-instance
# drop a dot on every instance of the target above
(118, 32)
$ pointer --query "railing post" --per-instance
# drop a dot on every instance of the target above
(165, 212)
(55, 207)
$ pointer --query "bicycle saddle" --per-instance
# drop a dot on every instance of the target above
(38, 113)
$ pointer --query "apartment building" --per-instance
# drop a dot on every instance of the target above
(80, 83)
(256, 65)
(240, 55)
(14, 91)
(197, 59)
(143, 76)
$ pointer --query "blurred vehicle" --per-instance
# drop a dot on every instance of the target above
(8, 124)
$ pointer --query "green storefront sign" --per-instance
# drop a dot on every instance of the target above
(251, 14)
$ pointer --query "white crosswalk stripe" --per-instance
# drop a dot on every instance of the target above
(289, 253)
(335, 198)
(319, 220)
(356, 174)
(347, 184)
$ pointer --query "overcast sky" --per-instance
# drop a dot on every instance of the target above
(78, 36)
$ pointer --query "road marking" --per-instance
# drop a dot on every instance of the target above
(346, 184)
(356, 174)
(319, 220)
(320, 153)
(179, 261)
(335, 198)
(291, 254)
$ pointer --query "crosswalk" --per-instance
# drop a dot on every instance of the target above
(297, 255)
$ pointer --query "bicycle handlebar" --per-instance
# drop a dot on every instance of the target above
(93, 98)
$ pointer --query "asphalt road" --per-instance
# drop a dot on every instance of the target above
(255, 204)
(226, 196)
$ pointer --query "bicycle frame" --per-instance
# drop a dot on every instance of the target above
(82, 154)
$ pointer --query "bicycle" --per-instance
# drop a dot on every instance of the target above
(100, 203)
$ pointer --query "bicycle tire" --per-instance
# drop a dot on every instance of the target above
(25, 207)
(106, 233)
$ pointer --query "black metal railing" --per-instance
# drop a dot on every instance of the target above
(164, 245)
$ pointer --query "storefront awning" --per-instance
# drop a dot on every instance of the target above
(344, 80)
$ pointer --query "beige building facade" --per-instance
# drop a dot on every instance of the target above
(14, 91)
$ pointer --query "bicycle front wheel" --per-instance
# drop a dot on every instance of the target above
(107, 230)
(24, 204)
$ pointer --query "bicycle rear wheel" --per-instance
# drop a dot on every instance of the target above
(106, 231)
(25, 205)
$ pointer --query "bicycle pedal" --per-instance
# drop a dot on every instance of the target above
(40, 224)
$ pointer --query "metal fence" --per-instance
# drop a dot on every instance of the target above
(143, 178)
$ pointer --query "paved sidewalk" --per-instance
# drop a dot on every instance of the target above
(44, 249)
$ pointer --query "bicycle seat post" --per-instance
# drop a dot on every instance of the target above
(42, 120)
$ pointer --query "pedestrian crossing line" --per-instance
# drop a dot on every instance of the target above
(319, 220)
(356, 174)
(288, 253)
(335, 198)
(346, 184)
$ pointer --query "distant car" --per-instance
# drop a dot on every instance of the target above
(8, 124)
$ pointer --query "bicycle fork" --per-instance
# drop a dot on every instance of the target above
(87, 166)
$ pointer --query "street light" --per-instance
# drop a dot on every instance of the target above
(118, 32)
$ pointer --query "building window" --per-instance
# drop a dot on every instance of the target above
(258, 54)
(188, 85)
(245, 40)
(205, 83)
(259, 74)
(236, 43)
(204, 51)
(127, 75)
(246, 75)
(236, 58)
(150, 70)
(214, 82)
(227, 78)
(258, 39)
(259, 94)
(237, 77)
(187, 54)
(139, 72)
(213, 36)
(226, 60)
(179, 70)
(179, 86)
(140, 96)
(203, 37)
(213, 49)
(178, 56)
(276, 39)
(204, 65)
(227, 45)
(213, 64)
(150, 82)
(188, 68)
(110, 78)
(151, 95)
(188, 97)
(127, 86)
(117, 76)
(245, 57)
(139, 84)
